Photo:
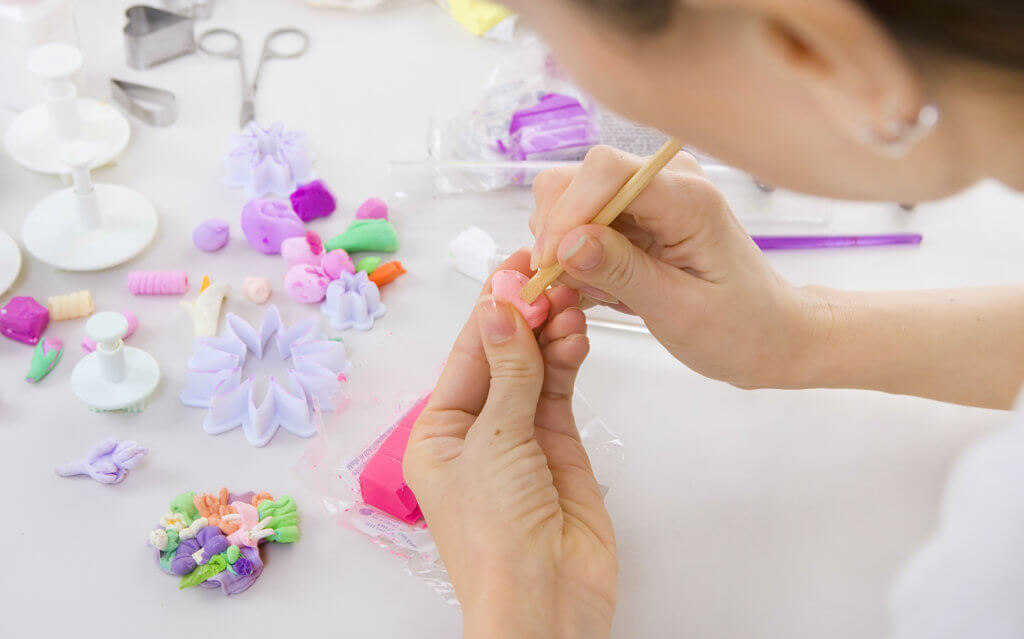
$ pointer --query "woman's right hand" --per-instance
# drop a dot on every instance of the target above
(678, 258)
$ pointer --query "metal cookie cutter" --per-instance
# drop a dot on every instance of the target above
(153, 35)
(155, 107)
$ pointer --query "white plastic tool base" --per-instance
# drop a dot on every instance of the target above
(34, 145)
(141, 379)
(53, 233)
(10, 262)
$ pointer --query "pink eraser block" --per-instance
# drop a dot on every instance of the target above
(506, 285)
(382, 483)
(372, 209)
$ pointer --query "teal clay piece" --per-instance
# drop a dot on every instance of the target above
(368, 264)
(232, 554)
(44, 359)
(365, 235)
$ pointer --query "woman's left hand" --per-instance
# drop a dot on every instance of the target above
(504, 482)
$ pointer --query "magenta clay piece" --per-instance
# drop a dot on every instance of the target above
(506, 285)
(382, 483)
(337, 262)
(158, 282)
(305, 283)
(372, 209)
(267, 223)
(212, 235)
(23, 319)
(303, 250)
(312, 200)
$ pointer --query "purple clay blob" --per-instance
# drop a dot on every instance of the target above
(183, 563)
(213, 541)
(266, 223)
(212, 235)
(313, 200)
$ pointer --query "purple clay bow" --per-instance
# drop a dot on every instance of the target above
(108, 462)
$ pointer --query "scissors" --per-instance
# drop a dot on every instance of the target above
(234, 51)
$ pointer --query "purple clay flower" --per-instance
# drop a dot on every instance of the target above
(243, 567)
(183, 562)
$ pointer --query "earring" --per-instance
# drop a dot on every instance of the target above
(900, 136)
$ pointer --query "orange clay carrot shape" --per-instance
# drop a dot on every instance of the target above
(387, 273)
(214, 509)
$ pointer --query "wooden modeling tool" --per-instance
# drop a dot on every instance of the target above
(546, 276)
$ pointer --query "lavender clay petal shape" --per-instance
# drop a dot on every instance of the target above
(267, 161)
(213, 379)
(353, 301)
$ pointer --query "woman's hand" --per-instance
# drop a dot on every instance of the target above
(504, 482)
(679, 259)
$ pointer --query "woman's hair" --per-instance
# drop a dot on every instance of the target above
(990, 31)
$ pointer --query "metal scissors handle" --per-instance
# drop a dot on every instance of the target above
(234, 51)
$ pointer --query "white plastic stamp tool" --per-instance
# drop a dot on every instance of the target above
(114, 376)
(10, 262)
(37, 138)
(89, 227)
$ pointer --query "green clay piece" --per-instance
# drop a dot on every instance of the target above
(44, 359)
(172, 540)
(365, 235)
(232, 554)
(285, 520)
(184, 505)
(215, 566)
(335, 339)
(368, 264)
(166, 557)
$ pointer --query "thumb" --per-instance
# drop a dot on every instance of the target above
(517, 370)
(604, 259)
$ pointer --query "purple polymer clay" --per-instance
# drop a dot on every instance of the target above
(211, 235)
(313, 200)
(23, 319)
(183, 563)
(266, 223)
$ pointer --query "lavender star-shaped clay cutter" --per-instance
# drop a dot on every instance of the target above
(269, 160)
(213, 380)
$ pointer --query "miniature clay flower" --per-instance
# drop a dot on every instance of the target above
(173, 520)
(252, 529)
(242, 566)
(213, 508)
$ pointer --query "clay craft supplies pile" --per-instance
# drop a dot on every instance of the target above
(214, 541)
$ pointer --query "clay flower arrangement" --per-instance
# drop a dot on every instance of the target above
(214, 540)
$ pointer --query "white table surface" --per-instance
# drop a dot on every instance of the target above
(739, 514)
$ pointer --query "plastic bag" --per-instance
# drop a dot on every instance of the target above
(332, 463)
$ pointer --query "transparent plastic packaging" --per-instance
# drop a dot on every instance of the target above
(333, 461)
(477, 151)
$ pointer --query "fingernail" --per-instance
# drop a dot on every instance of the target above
(496, 320)
(598, 295)
(584, 255)
(538, 252)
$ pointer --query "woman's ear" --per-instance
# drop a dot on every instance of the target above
(846, 60)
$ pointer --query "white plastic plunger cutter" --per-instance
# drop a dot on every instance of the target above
(88, 227)
(114, 376)
(37, 137)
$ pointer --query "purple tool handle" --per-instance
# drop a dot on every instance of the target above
(794, 242)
